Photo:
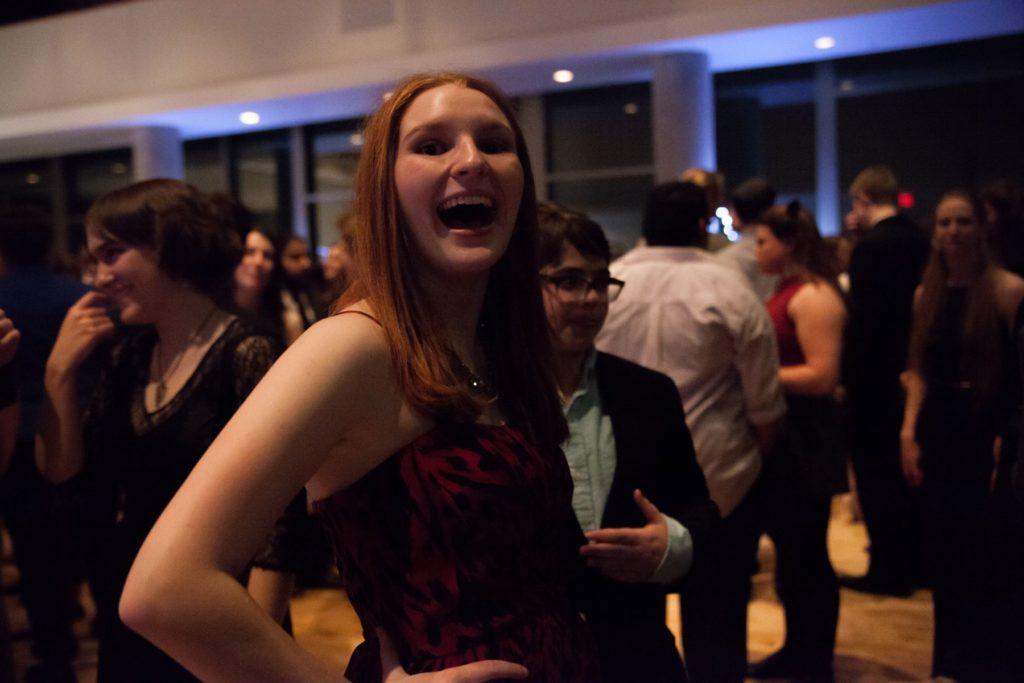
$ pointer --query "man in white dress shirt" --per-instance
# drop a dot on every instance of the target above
(691, 318)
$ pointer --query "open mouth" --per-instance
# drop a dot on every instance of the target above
(467, 213)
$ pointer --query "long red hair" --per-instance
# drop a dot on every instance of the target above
(513, 327)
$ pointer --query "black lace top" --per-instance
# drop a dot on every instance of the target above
(149, 455)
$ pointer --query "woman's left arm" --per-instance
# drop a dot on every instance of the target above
(819, 315)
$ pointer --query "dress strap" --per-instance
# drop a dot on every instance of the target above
(363, 313)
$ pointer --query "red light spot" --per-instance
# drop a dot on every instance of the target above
(905, 200)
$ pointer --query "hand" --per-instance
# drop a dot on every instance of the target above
(910, 459)
(631, 555)
(9, 338)
(477, 672)
(85, 324)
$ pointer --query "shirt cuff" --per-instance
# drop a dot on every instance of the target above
(678, 557)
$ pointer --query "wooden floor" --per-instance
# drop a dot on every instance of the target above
(879, 639)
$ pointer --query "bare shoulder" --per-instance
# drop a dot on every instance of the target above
(1009, 292)
(347, 363)
(818, 299)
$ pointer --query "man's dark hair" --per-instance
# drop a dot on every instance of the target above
(675, 216)
(558, 225)
(26, 235)
(751, 198)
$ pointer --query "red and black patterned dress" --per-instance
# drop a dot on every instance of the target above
(460, 546)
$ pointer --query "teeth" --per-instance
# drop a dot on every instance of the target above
(467, 200)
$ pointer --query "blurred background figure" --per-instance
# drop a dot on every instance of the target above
(697, 321)
(638, 491)
(885, 267)
(10, 413)
(338, 266)
(301, 284)
(747, 202)
(713, 185)
(962, 393)
(806, 467)
(35, 300)
(1004, 213)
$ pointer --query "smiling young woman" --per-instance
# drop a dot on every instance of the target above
(175, 371)
(962, 393)
(423, 420)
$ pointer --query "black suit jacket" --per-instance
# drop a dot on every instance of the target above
(885, 269)
(654, 452)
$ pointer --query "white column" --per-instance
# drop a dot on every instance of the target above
(157, 153)
(683, 111)
(530, 114)
(826, 150)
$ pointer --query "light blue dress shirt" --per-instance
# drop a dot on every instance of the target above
(590, 452)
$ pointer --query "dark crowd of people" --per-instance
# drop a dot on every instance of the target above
(513, 445)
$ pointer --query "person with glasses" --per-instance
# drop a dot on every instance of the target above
(639, 494)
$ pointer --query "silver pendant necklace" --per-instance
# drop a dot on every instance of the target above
(162, 375)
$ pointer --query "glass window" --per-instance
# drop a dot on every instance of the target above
(332, 157)
(87, 176)
(764, 126)
(616, 204)
(205, 165)
(599, 128)
(262, 177)
(27, 182)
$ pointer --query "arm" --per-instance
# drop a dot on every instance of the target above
(10, 409)
(305, 416)
(272, 591)
(670, 511)
(910, 452)
(327, 412)
(916, 387)
(59, 450)
(819, 316)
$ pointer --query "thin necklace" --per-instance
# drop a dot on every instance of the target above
(161, 385)
(477, 384)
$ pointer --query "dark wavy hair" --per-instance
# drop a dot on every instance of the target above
(559, 225)
(177, 221)
(794, 226)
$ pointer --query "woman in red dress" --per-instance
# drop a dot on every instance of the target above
(806, 467)
(423, 420)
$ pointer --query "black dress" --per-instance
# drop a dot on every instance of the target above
(143, 458)
(956, 431)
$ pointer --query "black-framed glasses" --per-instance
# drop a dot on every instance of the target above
(575, 286)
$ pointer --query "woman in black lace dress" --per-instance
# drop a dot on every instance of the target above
(961, 392)
(177, 370)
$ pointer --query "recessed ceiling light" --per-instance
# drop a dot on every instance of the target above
(563, 76)
(249, 118)
(825, 43)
